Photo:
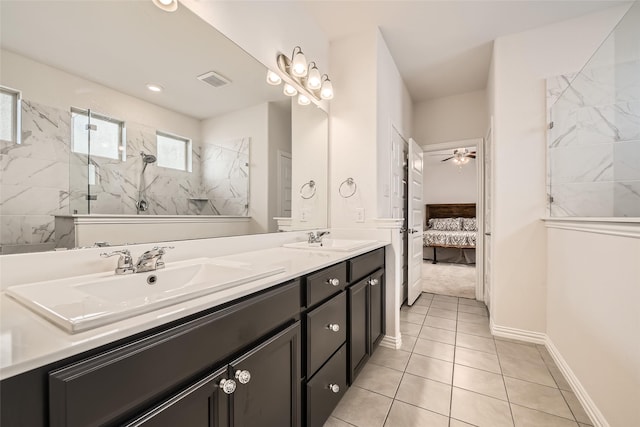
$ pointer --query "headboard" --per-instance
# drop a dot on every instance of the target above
(452, 210)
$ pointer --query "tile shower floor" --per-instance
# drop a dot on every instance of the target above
(451, 372)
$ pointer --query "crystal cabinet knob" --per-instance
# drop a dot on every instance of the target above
(334, 388)
(243, 377)
(228, 386)
(374, 282)
(334, 282)
(334, 327)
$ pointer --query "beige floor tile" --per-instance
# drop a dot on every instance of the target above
(530, 344)
(447, 314)
(431, 368)
(481, 311)
(584, 425)
(425, 393)
(517, 350)
(482, 382)
(576, 407)
(436, 334)
(560, 380)
(408, 342)
(481, 330)
(529, 370)
(334, 422)
(379, 379)
(456, 423)
(472, 318)
(546, 356)
(477, 359)
(439, 322)
(444, 306)
(405, 415)
(362, 408)
(536, 396)
(394, 359)
(411, 329)
(434, 349)
(525, 417)
(445, 298)
(468, 301)
(480, 410)
(415, 309)
(475, 343)
(423, 301)
(406, 316)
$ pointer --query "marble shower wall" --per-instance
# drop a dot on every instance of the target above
(594, 145)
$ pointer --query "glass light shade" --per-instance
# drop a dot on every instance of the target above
(314, 81)
(166, 5)
(303, 100)
(289, 90)
(273, 78)
(299, 65)
(154, 87)
(327, 90)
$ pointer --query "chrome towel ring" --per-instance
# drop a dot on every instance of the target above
(351, 183)
(312, 187)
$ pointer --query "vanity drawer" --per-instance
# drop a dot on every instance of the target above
(322, 340)
(321, 398)
(364, 265)
(323, 284)
(113, 385)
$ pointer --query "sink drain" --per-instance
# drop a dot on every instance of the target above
(152, 279)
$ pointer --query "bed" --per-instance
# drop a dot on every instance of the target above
(450, 226)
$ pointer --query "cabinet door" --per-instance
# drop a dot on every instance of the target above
(358, 330)
(268, 383)
(376, 308)
(204, 404)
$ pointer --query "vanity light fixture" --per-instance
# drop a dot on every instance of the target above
(154, 87)
(166, 5)
(301, 78)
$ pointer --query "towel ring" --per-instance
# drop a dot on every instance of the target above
(349, 182)
(312, 186)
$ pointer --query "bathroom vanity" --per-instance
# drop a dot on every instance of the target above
(282, 355)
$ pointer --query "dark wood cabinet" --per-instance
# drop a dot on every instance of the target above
(326, 331)
(376, 307)
(326, 388)
(358, 331)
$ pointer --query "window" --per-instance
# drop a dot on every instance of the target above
(174, 152)
(106, 138)
(10, 115)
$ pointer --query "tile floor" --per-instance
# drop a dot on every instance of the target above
(451, 372)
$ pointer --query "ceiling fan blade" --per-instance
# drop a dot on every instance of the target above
(448, 158)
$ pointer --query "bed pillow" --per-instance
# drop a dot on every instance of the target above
(445, 224)
(469, 224)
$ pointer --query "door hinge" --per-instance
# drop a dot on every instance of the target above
(550, 125)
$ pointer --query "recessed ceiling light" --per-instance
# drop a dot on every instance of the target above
(166, 5)
(154, 87)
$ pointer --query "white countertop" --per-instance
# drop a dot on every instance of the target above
(28, 341)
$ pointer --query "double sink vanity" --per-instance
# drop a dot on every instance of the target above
(272, 337)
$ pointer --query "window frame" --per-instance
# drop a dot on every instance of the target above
(188, 146)
(122, 143)
(16, 128)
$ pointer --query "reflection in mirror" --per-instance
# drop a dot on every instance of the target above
(104, 158)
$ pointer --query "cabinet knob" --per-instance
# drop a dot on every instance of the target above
(334, 282)
(374, 282)
(334, 388)
(243, 376)
(228, 386)
(333, 327)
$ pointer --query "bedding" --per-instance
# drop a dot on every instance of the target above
(451, 232)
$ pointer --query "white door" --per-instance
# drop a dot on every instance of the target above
(488, 196)
(415, 221)
(284, 184)
(399, 197)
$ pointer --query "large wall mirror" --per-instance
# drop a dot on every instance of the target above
(123, 123)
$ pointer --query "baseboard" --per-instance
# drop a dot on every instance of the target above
(391, 342)
(588, 404)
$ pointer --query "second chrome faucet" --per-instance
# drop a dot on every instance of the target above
(151, 260)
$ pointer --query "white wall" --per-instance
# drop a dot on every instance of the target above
(251, 122)
(452, 118)
(445, 182)
(279, 139)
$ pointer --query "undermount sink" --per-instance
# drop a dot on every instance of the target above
(80, 303)
(341, 245)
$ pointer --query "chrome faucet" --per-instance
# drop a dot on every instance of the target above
(316, 236)
(125, 262)
(151, 260)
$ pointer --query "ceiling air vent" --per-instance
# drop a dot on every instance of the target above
(214, 79)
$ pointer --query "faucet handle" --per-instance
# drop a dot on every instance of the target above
(125, 262)
(122, 252)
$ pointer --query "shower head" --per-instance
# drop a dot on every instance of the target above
(147, 158)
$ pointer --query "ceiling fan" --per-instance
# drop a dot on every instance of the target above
(461, 156)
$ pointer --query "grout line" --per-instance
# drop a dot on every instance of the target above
(506, 390)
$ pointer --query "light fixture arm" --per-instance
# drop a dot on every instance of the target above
(284, 65)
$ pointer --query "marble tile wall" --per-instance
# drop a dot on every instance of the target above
(594, 145)
(42, 178)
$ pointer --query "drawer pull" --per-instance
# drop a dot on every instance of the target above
(334, 327)
(374, 282)
(334, 282)
(334, 388)
(243, 377)
(228, 386)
